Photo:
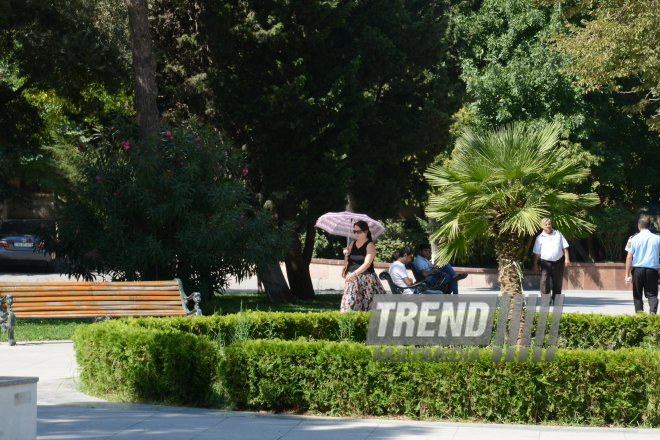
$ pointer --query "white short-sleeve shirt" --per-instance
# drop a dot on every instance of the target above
(398, 272)
(550, 247)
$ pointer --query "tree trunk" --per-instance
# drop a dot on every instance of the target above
(144, 67)
(510, 250)
(297, 259)
(275, 285)
(297, 266)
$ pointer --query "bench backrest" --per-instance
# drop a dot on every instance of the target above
(81, 299)
(385, 276)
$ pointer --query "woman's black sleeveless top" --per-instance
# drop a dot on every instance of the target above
(357, 256)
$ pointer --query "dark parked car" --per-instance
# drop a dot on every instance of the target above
(19, 246)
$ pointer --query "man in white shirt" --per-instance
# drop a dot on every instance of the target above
(551, 253)
(400, 276)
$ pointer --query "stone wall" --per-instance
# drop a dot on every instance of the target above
(577, 276)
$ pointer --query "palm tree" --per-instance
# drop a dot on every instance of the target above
(501, 183)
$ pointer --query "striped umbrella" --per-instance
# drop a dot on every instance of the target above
(341, 223)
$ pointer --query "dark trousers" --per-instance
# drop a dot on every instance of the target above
(552, 270)
(645, 280)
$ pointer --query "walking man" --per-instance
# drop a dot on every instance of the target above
(642, 266)
(551, 253)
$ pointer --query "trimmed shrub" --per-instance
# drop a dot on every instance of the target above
(225, 329)
(576, 331)
(143, 364)
(595, 387)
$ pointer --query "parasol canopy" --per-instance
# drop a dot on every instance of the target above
(341, 223)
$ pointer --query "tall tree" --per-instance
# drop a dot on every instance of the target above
(513, 73)
(500, 184)
(332, 99)
(69, 50)
(613, 43)
(144, 65)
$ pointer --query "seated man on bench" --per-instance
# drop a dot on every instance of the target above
(435, 275)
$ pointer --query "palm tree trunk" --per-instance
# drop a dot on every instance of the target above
(510, 249)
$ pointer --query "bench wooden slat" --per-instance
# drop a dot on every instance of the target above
(80, 293)
(101, 309)
(92, 284)
(95, 314)
(75, 299)
(39, 290)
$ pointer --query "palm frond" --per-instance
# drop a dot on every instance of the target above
(505, 180)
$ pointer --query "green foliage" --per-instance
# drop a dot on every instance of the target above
(227, 329)
(144, 365)
(512, 72)
(501, 183)
(576, 331)
(172, 206)
(612, 224)
(397, 235)
(593, 387)
(57, 61)
(327, 246)
(611, 43)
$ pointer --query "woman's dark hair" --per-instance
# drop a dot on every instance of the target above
(401, 252)
(364, 227)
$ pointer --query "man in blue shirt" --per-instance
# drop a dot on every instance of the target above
(433, 275)
(642, 266)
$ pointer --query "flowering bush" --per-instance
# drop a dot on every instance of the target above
(174, 205)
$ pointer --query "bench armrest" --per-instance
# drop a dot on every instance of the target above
(8, 319)
(195, 296)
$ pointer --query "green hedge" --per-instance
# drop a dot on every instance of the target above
(576, 330)
(141, 364)
(594, 387)
(225, 329)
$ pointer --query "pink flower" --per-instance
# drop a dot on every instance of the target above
(217, 164)
(126, 145)
(43, 225)
(114, 194)
(46, 215)
(242, 216)
(244, 172)
(181, 163)
(168, 133)
(98, 177)
(77, 231)
(275, 215)
(197, 139)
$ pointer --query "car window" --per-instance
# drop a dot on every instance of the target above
(15, 228)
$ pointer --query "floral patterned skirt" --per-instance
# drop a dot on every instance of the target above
(359, 292)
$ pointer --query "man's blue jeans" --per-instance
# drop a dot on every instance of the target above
(447, 273)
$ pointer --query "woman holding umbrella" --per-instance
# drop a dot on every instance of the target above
(361, 281)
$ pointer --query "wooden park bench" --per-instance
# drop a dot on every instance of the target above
(93, 300)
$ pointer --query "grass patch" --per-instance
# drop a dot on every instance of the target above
(44, 329)
(228, 303)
